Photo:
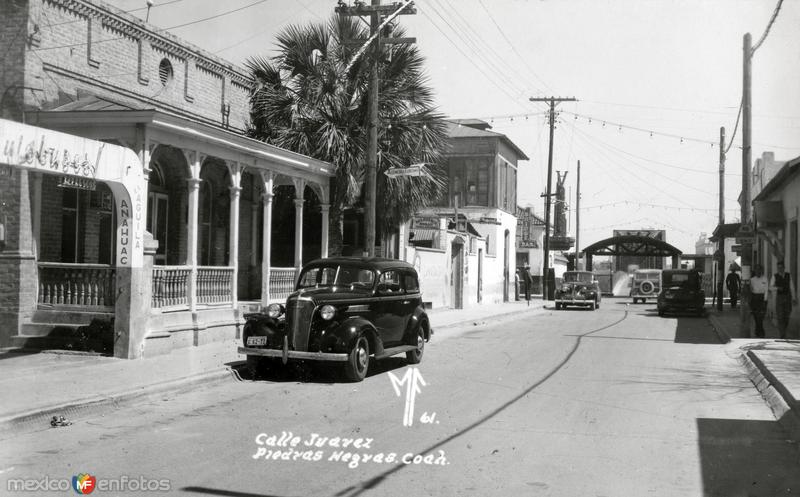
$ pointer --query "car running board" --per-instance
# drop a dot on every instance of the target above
(396, 350)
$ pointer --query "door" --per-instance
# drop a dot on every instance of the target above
(480, 275)
(457, 275)
(157, 210)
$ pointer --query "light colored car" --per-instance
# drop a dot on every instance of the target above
(646, 284)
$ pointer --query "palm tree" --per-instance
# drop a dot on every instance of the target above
(305, 99)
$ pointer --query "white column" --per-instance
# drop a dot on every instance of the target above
(233, 256)
(192, 225)
(266, 263)
(326, 208)
(235, 171)
(298, 233)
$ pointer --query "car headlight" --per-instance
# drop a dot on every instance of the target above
(274, 310)
(327, 312)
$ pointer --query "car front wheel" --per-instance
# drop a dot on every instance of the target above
(415, 356)
(358, 360)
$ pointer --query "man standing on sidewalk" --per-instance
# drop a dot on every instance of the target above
(758, 295)
(733, 282)
(783, 286)
(527, 281)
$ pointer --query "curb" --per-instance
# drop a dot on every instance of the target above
(719, 329)
(773, 393)
(38, 419)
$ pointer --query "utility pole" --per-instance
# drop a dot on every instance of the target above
(376, 12)
(546, 258)
(721, 260)
(578, 221)
(747, 251)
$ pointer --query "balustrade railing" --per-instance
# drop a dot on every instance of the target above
(281, 282)
(76, 285)
(214, 285)
(171, 286)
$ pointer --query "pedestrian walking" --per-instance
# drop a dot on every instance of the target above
(781, 283)
(759, 285)
(527, 281)
(734, 284)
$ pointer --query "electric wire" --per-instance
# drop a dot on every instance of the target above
(470, 59)
(477, 48)
(769, 26)
(513, 48)
(682, 184)
(479, 42)
(72, 45)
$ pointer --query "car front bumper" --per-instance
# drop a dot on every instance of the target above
(570, 301)
(286, 354)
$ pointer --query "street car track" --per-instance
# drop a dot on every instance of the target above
(356, 490)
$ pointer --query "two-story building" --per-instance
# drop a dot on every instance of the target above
(478, 254)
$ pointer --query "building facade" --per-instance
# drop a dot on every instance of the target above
(205, 198)
(480, 204)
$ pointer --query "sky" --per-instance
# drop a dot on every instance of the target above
(655, 80)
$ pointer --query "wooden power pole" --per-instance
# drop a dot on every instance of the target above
(721, 260)
(578, 222)
(548, 194)
(376, 13)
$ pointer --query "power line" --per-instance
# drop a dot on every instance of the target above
(466, 56)
(464, 34)
(769, 26)
(72, 45)
(218, 15)
(480, 43)
(513, 48)
(684, 185)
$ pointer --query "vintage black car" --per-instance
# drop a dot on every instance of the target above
(579, 288)
(681, 291)
(345, 310)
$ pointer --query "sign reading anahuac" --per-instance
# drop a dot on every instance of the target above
(80, 162)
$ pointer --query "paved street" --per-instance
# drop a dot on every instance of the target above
(616, 402)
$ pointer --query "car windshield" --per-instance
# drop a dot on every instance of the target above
(647, 276)
(337, 275)
(577, 277)
(683, 280)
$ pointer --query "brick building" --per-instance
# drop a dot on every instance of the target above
(89, 70)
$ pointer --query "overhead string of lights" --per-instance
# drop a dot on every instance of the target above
(651, 206)
(620, 126)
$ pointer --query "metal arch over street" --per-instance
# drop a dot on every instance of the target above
(632, 245)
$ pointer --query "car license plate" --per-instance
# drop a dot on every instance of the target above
(252, 341)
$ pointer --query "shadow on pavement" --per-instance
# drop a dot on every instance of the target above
(227, 493)
(689, 328)
(314, 371)
(746, 458)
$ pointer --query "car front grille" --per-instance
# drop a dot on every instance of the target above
(298, 319)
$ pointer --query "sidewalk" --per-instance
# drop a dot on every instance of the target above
(773, 365)
(38, 385)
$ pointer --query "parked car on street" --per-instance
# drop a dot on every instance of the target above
(343, 310)
(682, 292)
(646, 284)
(578, 288)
